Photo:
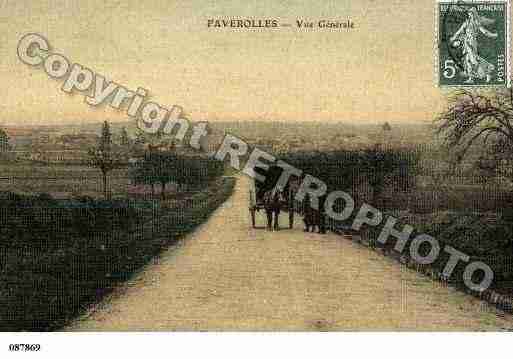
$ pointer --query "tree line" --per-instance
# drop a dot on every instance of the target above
(345, 169)
(158, 163)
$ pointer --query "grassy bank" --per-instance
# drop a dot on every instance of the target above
(59, 257)
(483, 237)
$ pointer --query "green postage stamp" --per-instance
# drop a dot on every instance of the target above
(474, 43)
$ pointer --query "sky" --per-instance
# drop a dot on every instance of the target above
(382, 70)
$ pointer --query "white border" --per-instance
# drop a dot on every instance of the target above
(508, 43)
(261, 345)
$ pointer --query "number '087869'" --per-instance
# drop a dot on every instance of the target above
(24, 347)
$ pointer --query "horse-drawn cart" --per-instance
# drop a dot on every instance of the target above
(259, 189)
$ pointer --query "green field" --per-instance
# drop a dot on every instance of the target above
(62, 180)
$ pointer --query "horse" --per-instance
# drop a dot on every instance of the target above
(314, 217)
(273, 200)
(309, 215)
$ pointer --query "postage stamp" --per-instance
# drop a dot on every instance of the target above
(474, 39)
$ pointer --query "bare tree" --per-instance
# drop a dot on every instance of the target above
(478, 118)
(103, 156)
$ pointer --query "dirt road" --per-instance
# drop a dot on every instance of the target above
(228, 276)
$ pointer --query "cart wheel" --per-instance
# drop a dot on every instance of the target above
(252, 211)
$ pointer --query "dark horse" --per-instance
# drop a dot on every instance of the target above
(273, 200)
(273, 197)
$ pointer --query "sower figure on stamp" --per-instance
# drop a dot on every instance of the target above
(466, 38)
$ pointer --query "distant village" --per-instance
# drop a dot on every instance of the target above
(46, 145)
(62, 145)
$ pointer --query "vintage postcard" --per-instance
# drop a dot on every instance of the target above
(255, 166)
